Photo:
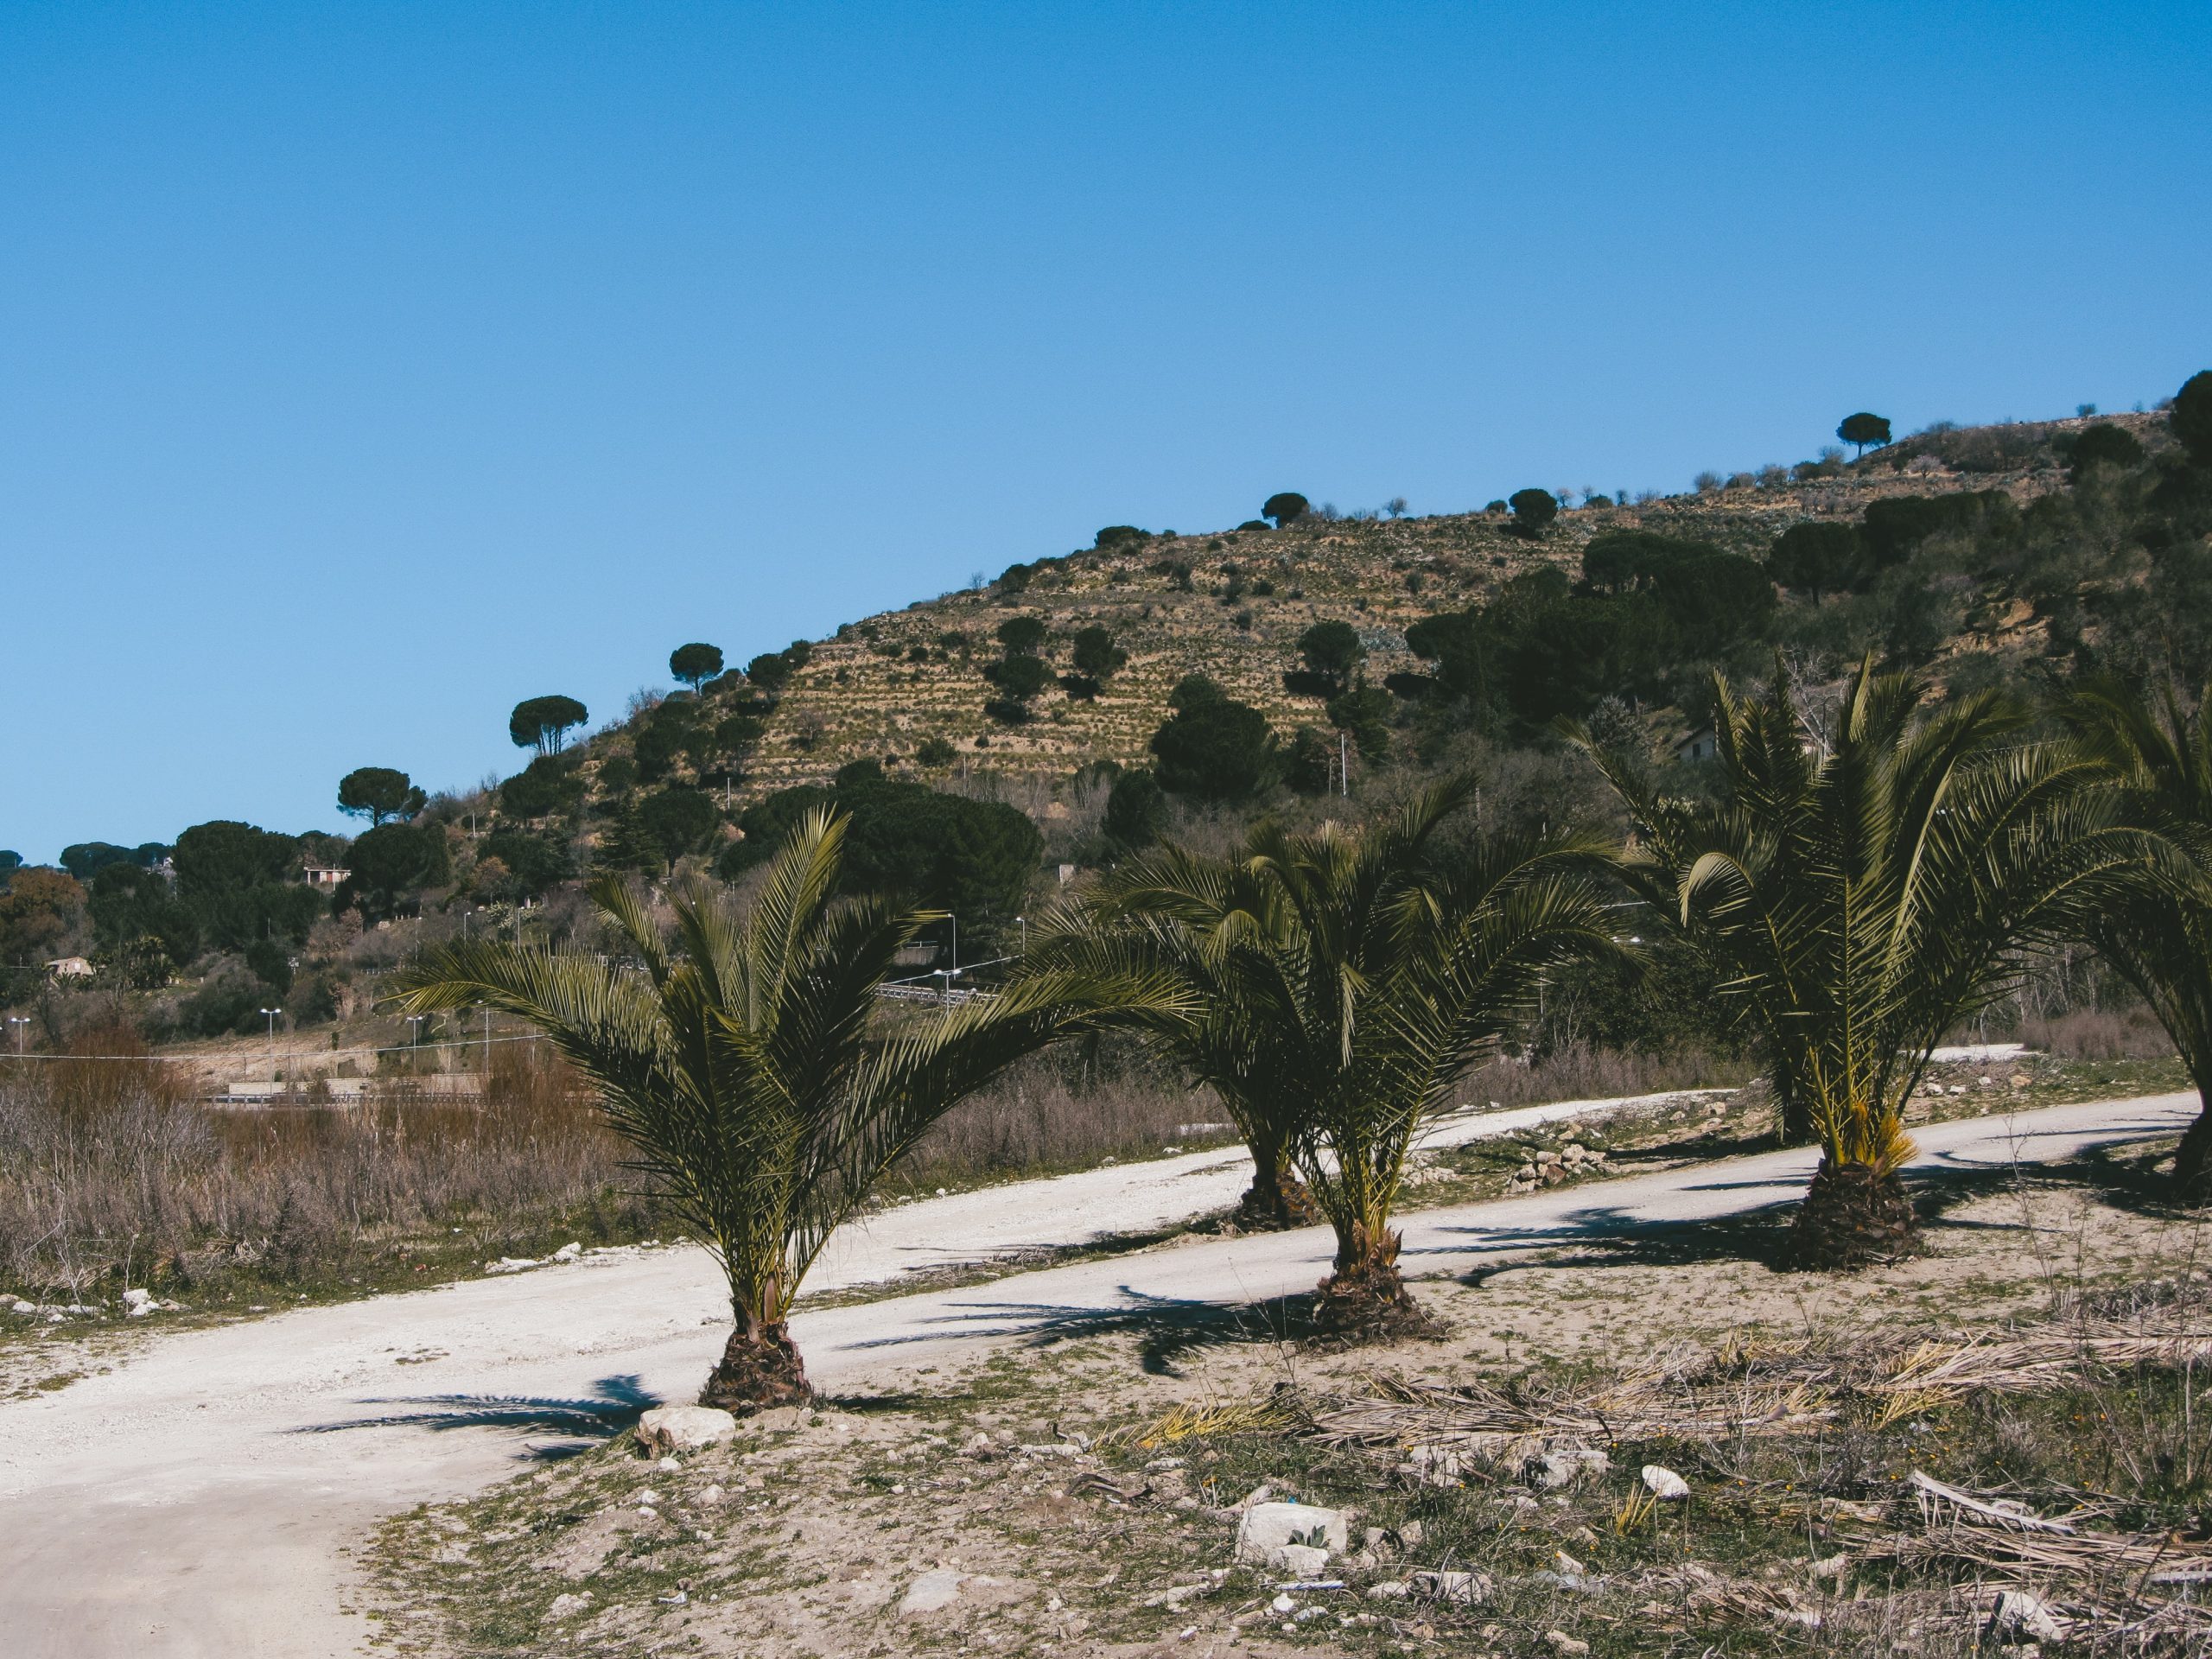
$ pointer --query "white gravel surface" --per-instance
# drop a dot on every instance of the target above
(198, 1499)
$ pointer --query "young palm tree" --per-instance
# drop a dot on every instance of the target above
(1336, 985)
(2156, 929)
(747, 1069)
(1866, 898)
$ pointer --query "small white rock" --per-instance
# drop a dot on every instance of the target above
(1664, 1484)
(566, 1604)
(1566, 1646)
(1299, 1561)
(1283, 1604)
(684, 1428)
(569, 1252)
(670, 1464)
(1390, 1589)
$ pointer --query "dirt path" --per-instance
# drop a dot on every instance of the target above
(197, 1499)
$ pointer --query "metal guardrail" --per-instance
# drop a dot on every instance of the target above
(907, 993)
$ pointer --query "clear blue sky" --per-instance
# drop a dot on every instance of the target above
(365, 368)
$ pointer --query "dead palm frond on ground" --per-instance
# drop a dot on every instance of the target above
(1867, 895)
(2156, 929)
(747, 1065)
(1339, 984)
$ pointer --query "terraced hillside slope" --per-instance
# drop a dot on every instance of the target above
(1232, 606)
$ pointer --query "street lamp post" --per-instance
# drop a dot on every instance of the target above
(1023, 922)
(271, 1016)
(19, 1021)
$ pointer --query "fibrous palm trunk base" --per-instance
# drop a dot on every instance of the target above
(1852, 1216)
(1365, 1299)
(2193, 1163)
(1276, 1204)
(760, 1368)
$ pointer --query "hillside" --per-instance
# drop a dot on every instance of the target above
(886, 682)
(2016, 554)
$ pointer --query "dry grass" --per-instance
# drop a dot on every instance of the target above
(113, 1174)
(2099, 1034)
(110, 1171)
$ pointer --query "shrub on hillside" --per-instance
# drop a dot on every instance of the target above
(2190, 417)
(974, 858)
(1817, 558)
(1533, 511)
(2102, 445)
(390, 865)
(1214, 748)
(1137, 809)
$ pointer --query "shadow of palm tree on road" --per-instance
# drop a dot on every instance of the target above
(1168, 1328)
(2120, 1173)
(613, 1406)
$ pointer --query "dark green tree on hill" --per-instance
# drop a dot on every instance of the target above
(695, 664)
(1533, 511)
(671, 731)
(1862, 429)
(1286, 508)
(1097, 655)
(1363, 710)
(548, 786)
(543, 723)
(1136, 808)
(390, 865)
(241, 883)
(531, 863)
(1332, 652)
(678, 821)
(377, 793)
(1213, 748)
(2191, 416)
(1818, 557)
(1625, 561)
(88, 858)
(2102, 445)
(1021, 635)
(973, 858)
(129, 904)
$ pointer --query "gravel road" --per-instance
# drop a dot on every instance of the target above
(199, 1498)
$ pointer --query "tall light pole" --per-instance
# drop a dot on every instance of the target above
(271, 1016)
(18, 1021)
(1023, 921)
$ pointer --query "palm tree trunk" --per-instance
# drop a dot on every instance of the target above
(1852, 1218)
(760, 1368)
(2193, 1162)
(1277, 1200)
(1794, 1120)
(1365, 1299)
